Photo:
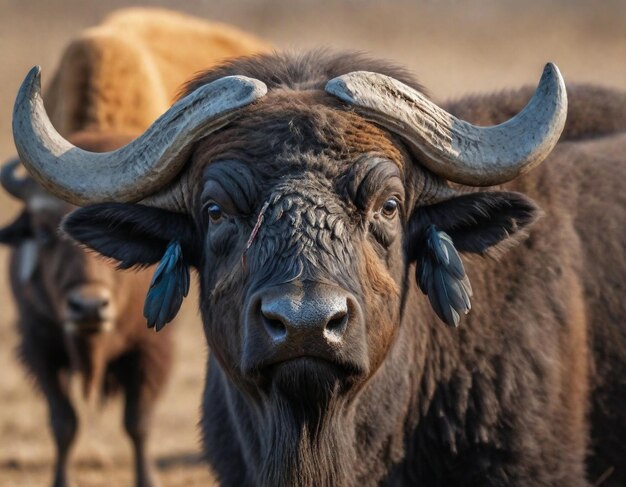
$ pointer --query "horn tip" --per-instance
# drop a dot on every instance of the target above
(551, 71)
(552, 82)
(550, 67)
(32, 82)
(34, 74)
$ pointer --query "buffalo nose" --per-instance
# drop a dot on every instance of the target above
(303, 320)
(309, 312)
(88, 305)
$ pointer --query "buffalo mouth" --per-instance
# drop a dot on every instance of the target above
(311, 362)
(297, 365)
(71, 327)
(308, 375)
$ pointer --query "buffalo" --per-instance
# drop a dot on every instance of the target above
(390, 294)
(78, 315)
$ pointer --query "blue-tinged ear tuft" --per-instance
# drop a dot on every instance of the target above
(441, 276)
(169, 286)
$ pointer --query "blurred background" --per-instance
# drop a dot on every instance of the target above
(454, 47)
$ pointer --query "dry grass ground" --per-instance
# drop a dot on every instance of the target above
(454, 46)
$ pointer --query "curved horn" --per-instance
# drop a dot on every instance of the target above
(451, 148)
(20, 188)
(136, 170)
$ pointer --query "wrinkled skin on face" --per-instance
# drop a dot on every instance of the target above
(328, 217)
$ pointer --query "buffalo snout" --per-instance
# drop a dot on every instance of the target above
(89, 308)
(304, 320)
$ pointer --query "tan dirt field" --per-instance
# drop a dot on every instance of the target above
(455, 47)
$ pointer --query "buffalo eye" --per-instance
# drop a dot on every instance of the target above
(390, 208)
(215, 212)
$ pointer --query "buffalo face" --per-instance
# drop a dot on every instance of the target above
(78, 286)
(300, 254)
(301, 276)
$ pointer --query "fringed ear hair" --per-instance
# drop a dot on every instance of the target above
(441, 276)
(169, 286)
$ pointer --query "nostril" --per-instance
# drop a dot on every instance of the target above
(276, 328)
(75, 304)
(337, 325)
(82, 307)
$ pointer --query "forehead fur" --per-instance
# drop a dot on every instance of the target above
(297, 125)
(305, 71)
(292, 130)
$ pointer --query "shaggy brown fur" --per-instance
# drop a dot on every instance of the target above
(126, 71)
(529, 390)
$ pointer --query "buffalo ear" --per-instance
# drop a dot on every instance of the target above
(479, 223)
(134, 235)
(17, 231)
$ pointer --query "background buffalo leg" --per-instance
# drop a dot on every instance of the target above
(140, 398)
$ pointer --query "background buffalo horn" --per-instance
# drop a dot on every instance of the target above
(454, 149)
(21, 188)
(136, 170)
